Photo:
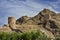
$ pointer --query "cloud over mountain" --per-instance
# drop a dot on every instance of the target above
(18, 8)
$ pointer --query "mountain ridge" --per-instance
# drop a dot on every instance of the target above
(46, 21)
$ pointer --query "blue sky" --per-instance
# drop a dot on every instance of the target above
(18, 8)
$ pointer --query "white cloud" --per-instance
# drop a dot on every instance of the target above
(55, 5)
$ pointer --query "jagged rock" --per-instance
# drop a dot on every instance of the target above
(22, 19)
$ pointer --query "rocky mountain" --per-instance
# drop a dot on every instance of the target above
(46, 21)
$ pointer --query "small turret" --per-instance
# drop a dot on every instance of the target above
(12, 22)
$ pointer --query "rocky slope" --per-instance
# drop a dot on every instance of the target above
(46, 21)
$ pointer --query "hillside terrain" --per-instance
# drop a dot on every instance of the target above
(46, 21)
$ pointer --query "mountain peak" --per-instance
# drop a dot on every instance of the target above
(46, 10)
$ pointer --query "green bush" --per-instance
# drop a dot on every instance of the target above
(23, 36)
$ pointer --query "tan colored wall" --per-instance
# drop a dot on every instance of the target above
(12, 22)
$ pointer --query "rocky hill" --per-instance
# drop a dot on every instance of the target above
(46, 21)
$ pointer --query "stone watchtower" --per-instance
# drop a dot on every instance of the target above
(12, 22)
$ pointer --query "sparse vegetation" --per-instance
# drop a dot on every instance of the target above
(23, 36)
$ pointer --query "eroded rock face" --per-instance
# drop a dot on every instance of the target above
(22, 20)
(49, 20)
